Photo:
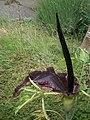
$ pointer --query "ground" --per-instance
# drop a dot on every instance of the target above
(18, 9)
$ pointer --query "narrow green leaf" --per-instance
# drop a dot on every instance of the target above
(85, 93)
(28, 100)
(31, 90)
(34, 84)
(44, 111)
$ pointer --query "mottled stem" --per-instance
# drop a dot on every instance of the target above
(67, 116)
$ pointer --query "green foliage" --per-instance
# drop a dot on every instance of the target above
(25, 47)
(74, 14)
(81, 63)
(34, 93)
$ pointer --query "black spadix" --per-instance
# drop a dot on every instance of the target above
(66, 56)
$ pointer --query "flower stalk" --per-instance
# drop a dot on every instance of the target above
(67, 116)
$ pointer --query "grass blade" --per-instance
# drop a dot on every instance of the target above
(28, 100)
(34, 84)
(44, 111)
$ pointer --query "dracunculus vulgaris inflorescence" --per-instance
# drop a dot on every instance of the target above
(59, 82)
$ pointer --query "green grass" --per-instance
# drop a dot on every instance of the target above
(74, 15)
(25, 47)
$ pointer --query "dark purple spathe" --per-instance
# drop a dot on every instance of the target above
(58, 82)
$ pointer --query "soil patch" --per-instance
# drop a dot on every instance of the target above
(18, 9)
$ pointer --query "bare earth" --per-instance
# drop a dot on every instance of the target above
(18, 9)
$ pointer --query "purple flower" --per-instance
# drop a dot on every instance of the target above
(58, 82)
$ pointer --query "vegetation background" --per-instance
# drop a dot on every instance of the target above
(74, 15)
(28, 45)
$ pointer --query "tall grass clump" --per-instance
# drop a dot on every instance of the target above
(74, 14)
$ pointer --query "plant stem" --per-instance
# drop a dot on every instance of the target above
(67, 116)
